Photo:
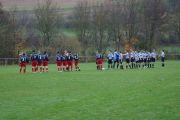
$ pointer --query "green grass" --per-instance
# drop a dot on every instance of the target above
(150, 94)
(69, 33)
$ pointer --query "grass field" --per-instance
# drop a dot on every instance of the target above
(149, 94)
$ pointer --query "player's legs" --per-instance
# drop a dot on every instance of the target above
(100, 66)
(97, 65)
(127, 63)
(162, 61)
(40, 64)
(34, 64)
(36, 68)
(149, 63)
(70, 66)
(59, 65)
(32, 67)
(46, 69)
(153, 62)
(41, 68)
(121, 64)
(108, 64)
(117, 64)
(58, 68)
(114, 64)
(77, 65)
(65, 66)
(45, 66)
(23, 68)
(132, 63)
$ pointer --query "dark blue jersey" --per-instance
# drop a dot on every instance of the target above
(70, 57)
(116, 56)
(98, 56)
(101, 56)
(110, 56)
(34, 56)
(76, 57)
(45, 57)
(64, 58)
(40, 58)
(23, 58)
(58, 57)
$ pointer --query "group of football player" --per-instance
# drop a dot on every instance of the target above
(39, 61)
(65, 61)
(134, 59)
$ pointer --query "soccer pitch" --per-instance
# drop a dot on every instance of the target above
(144, 94)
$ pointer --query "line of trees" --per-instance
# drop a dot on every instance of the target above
(113, 24)
(139, 24)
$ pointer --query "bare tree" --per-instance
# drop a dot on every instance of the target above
(131, 23)
(46, 16)
(7, 37)
(153, 16)
(99, 27)
(82, 23)
(174, 21)
(115, 21)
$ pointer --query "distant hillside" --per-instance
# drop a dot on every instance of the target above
(30, 4)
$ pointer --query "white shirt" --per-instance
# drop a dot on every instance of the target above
(140, 55)
(162, 54)
(127, 55)
(136, 56)
(132, 54)
(120, 56)
(110, 56)
(153, 54)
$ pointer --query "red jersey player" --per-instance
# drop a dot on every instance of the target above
(99, 60)
(40, 62)
(45, 62)
(59, 61)
(34, 59)
(70, 61)
(64, 60)
(76, 62)
(23, 60)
